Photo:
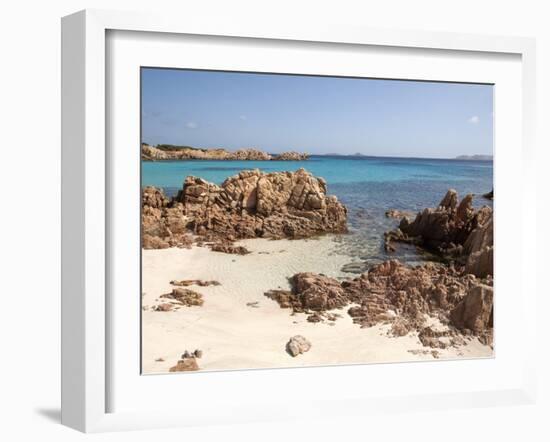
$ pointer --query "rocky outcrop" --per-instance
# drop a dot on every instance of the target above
(162, 224)
(453, 230)
(169, 152)
(291, 156)
(297, 345)
(445, 226)
(409, 292)
(390, 292)
(248, 205)
(256, 204)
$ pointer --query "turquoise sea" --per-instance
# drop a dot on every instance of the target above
(368, 186)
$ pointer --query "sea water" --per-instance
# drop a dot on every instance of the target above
(368, 186)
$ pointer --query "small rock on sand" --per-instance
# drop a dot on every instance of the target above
(186, 364)
(199, 282)
(185, 297)
(297, 345)
(165, 307)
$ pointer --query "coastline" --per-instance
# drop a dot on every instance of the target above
(183, 153)
(234, 335)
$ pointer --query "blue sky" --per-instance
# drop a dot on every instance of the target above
(317, 115)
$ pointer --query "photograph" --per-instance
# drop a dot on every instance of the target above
(292, 220)
(274, 221)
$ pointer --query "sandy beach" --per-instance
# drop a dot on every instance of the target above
(239, 327)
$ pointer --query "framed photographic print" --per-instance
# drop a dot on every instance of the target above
(249, 211)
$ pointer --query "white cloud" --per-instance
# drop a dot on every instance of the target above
(191, 125)
(473, 120)
(242, 117)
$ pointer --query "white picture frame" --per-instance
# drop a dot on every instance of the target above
(85, 236)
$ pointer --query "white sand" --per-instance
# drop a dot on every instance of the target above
(233, 335)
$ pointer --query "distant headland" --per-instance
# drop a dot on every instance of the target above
(475, 157)
(162, 152)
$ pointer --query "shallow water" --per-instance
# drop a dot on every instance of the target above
(368, 186)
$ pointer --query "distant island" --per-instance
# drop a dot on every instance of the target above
(475, 157)
(162, 152)
(335, 154)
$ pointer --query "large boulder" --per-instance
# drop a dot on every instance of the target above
(475, 311)
(297, 345)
